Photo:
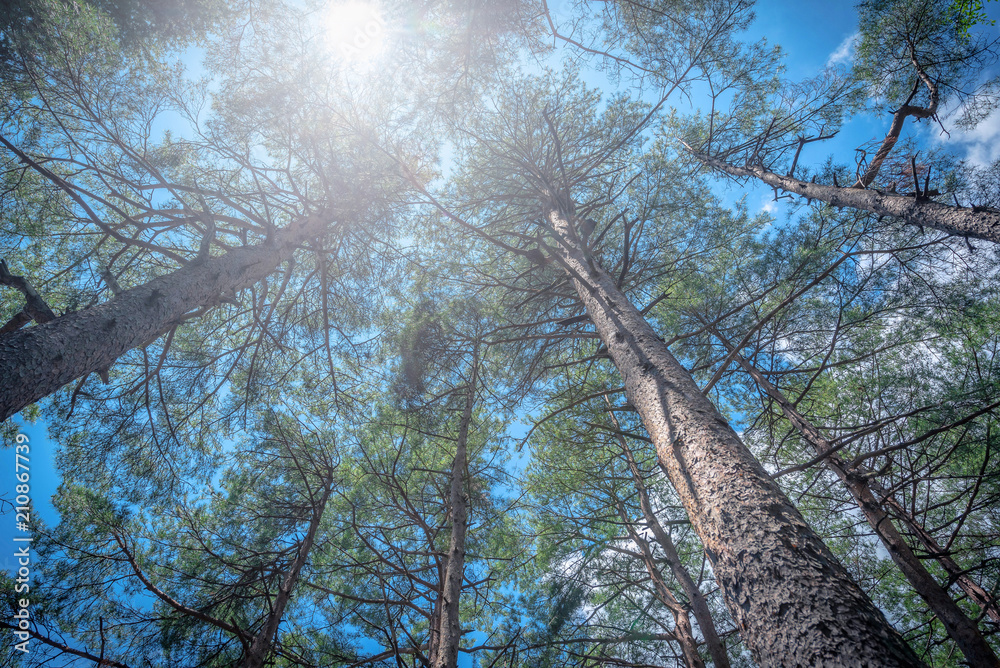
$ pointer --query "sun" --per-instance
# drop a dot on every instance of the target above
(356, 31)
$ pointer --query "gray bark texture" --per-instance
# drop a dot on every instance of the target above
(960, 628)
(793, 602)
(36, 361)
(960, 221)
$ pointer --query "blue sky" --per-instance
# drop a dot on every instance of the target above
(808, 31)
(43, 482)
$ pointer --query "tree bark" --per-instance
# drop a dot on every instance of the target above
(37, 361)
(794, 604)
(960, 628)
(445, 653)
(973, 223)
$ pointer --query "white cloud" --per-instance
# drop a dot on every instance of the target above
(768, 205)
(845, 51)
(981, 145)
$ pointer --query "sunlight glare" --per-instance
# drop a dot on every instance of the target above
(356, 31)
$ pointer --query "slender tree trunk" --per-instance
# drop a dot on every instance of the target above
(260, 648)
(445, 654)
(896, 127)
(962, 630)
(984, 599)
(794, 604)
(683, 633)
(974, 223)
(699, 606)
(884, 150)
(36, 361)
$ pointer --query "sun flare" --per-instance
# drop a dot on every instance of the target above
(356, 31)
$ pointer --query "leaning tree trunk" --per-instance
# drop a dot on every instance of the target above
(975, 223)
(960, 628)
(986, 600)
(794, 603)
(899, 116)
(37, 361)
(445, 653)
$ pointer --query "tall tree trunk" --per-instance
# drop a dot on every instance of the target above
(445, 654)
(793, 602)
(260, 648)
(973, 222)
(699, 606)
(36, 361)
(962, 630)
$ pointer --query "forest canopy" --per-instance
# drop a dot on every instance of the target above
(503, 334)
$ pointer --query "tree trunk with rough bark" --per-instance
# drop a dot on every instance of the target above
(36, 361)
(960, 628)
(973, 223)
(445, 653)
(794, 603)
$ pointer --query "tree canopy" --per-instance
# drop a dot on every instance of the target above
(449, 334)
